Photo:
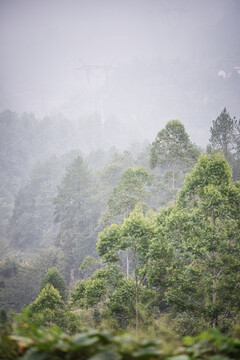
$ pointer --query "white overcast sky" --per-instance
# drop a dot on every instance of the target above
(41, 41)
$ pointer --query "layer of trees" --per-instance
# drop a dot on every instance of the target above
(149, 232)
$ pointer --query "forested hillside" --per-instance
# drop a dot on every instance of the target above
(142, 238)
(120, 180)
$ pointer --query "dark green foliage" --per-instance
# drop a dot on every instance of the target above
(122, 304)
(222, 133)
(88, 266)
(183, 261)
(204, 232)
(103, 345)
(87, 294)
(188, 253)
(225, 137)
(77, 212)
(19, 280)
(128, 244)
(31, 225)
(172, 147)
(3, 317)
(18, 284)
(54, 278)
(49, 309)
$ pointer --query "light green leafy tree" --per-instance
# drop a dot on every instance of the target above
(133, 238)
(174, 154)
(203, 230)
(130, 304)
(49, 309)
(88, 293)
(132, 189)
(49, 298)
(50, 305)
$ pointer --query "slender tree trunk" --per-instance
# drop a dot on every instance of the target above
(214, 295)
(136, 288)
(127, 259)
(214, 281)
(137, 320)
(173, 185)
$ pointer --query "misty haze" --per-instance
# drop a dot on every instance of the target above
(120, 176)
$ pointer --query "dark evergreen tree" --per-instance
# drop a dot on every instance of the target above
(31, 225)
(225, 137)
(54, 278)
(77, 212)
(222, 133)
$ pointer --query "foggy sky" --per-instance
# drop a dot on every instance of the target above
(42, 41)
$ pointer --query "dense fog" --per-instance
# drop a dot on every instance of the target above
(137, 63)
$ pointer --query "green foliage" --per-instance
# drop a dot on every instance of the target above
(88, 293)
(110, 174)
(223, 133)
(54, 278)
(204, 232)
(128, 244)
(109, 243)
(31, 226)
(88, 266)
(121, 304)
(187, 254)
(132, 189)
(77, 212)
(112, 275)
(133, 234)
(183, 261)
(49, 298)
(3, 317)
(210, 170)
(49, 309)
(29, 323)
(19, 280)
(174, 154)
(99, 345)
(225, 137)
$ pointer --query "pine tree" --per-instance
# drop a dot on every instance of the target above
(77, 212)
(225, 137)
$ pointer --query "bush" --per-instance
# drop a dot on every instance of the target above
(98, 345)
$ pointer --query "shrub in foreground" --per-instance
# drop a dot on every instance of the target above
(52, 343)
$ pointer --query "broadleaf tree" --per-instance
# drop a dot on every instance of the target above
(203, 230)
(173, 154)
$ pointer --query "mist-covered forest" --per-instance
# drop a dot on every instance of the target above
(120, 180)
